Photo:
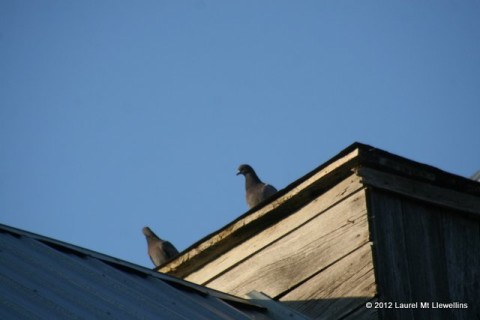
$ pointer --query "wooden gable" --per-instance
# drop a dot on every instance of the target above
(365, 227)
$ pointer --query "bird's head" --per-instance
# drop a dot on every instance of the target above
(147, 231)
(244, 169)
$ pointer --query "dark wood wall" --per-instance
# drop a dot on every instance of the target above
(424, 253)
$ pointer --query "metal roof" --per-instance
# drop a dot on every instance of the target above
(41, 278)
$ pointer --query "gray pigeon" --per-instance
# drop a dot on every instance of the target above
(257, 191)
(160, 251)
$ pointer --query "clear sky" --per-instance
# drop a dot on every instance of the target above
(119, 114)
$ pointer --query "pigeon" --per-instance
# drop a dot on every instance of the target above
(160, 251)
(256, 190)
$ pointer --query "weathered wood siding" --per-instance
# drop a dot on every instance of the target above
(424, 253)
(317, 260)
(311, 248)
(343, 287)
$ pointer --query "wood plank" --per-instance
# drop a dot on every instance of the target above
(421, 191)
(339, 289)
(392, 270)
(388, 162)
(343, 190)
(302, 253)
(462, 254)
(201, 250)
(424, 253)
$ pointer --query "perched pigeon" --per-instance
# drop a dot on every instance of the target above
(257, 191)
(159, 250)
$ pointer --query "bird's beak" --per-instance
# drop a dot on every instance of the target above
(238, 172)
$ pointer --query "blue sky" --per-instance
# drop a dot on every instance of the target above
(119, 114)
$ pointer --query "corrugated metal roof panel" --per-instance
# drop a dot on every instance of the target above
(45, 280)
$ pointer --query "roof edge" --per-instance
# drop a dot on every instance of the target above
(129, 267)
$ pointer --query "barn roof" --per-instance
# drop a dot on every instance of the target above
(376, 167)
(43, 278)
